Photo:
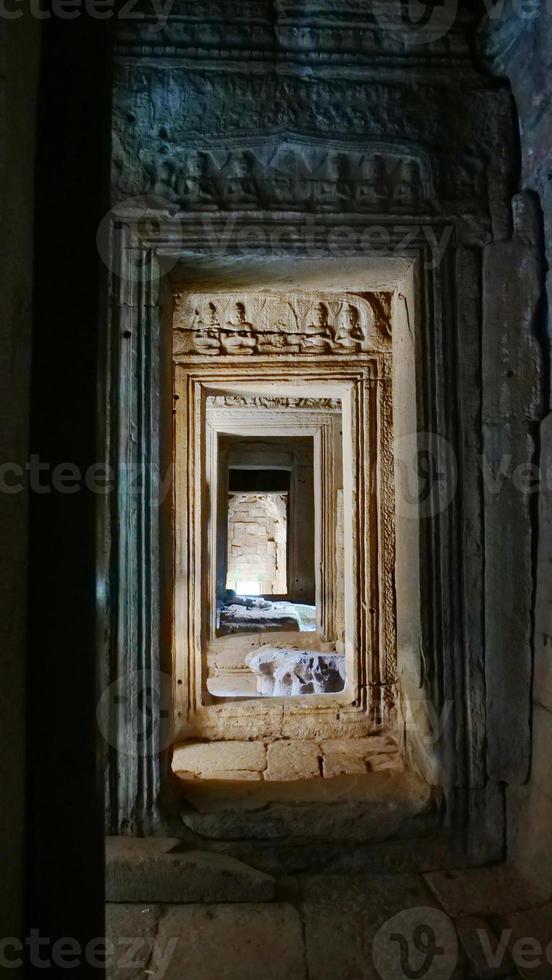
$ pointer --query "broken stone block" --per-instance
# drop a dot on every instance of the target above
(154, 870)
(277, 616)
(285, 672)
(292, 760)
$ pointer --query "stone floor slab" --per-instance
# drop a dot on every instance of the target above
(131, 932)
(246, 942)
(480, 891)
(343, 915)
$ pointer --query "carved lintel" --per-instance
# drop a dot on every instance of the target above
(257, 323)
(273, 402)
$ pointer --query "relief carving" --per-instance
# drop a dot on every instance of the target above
(273, 401)
(256, 323)
(288, 178)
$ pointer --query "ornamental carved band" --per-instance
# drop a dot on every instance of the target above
(253, 323)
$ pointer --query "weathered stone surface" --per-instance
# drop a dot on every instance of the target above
(346, 808)
(295, 822)
(356, 906)
(243, 942)
(542, 678)
(512, 401)
(376, 753)
(206, 757)
(292, 760)
(341, 764)
(199, 943)
(235, 775)
(394, 788)
(362, 748)
(530, 818)
(480, 891)
(151, 870)
(541, 769)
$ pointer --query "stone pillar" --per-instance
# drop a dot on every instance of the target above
(512, 406)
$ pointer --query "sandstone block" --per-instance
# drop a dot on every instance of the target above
(292, 760)
(341, 764)
(362, 748)
(208, 757)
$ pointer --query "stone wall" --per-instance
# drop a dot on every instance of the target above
(520, 47)
(19, 51)
(257, 541)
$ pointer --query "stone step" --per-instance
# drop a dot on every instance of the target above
(154, 869)
(427, 852)
(344, 809)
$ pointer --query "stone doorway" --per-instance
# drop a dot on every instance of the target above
(257, 544)
(295, 383)
(384, 370)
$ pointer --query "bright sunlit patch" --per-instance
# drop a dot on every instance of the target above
(248, 588)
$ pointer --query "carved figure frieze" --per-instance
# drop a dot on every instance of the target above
(290, 177)
(257, 323)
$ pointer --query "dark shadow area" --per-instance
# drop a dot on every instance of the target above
(65, 864)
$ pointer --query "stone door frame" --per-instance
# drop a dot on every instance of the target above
(447, 335)
(363, 383)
